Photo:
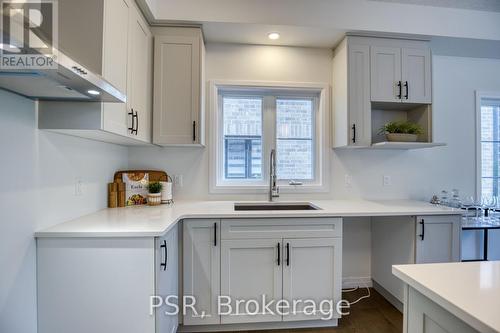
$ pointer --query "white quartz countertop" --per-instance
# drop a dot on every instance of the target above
(146, 221)
(468, 290)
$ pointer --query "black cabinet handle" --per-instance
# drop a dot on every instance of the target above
(288, 254)
(132, 127)
(353, 133)
(136, 122)
(422, 235)
(194, 131)
(407, 86)
(279, 254)
(164, 263)
(400, 89)
(215, 233)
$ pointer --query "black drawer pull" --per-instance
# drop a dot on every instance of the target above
(215, 233)
(164, 263)
(288, 254)
(279, 256)
(422, 235)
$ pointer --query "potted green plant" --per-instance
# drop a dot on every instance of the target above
(401, 131)
(154, 195)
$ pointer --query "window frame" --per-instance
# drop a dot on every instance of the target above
(270, 91)
(480, 96)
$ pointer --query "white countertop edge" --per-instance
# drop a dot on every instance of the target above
(172, 220)
(458, 312)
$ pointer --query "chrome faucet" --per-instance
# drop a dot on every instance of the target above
(274, 190)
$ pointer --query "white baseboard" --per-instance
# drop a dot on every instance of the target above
(353, 282)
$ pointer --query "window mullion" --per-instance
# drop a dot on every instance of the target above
(269, 130)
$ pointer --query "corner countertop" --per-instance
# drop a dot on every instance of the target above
(146, 221)
(468, 290)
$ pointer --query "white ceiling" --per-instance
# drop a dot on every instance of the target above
(322, 23)
(257, 34)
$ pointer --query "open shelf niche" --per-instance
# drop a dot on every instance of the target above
(382, 113)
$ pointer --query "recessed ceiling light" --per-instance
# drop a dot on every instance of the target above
(273, 35)
(93, 92)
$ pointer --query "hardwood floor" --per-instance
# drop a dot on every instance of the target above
(370, 315)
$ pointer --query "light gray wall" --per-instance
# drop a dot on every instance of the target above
(38, 171)
(416, 174)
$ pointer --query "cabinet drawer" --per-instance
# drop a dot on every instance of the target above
(281, 227)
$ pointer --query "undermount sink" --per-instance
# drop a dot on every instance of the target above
(276, 206)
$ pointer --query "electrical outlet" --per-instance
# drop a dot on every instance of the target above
(348, 180)
(178, 180)
(78, 187)
(387, 180)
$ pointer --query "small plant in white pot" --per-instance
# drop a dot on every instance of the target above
(154, 195)
(401, 131)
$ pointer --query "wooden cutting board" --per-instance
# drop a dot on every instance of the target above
(154, 175)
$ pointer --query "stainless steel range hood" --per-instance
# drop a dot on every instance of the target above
(70, 81)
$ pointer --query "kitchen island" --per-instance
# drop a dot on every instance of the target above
(112, 261)
(451, 297)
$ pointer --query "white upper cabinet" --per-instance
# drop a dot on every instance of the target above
(401, 74)
(114, 67)
(416, 75)
(372, 78)
(351, 90)
(119, 46)
(385, 64)
(140, 75)
(178, 87)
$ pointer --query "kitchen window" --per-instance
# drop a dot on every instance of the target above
(249, 121)
(488, 145)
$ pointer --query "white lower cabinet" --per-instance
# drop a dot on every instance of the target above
(411, 240)
(167, 278)
(437, 239)
(201, 252)
(104, 285)
(277, 260)
(425, 316)
(251, 269)
(312, 271)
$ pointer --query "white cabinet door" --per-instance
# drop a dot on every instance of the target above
(250, 269)
(177, 90)
(167, 270)
(115, 57)
(425, 316)
(312, 270)
(416, 75)
(385, 68)
(139, 94)
(202, 269)
(437, 239)
(359, 95)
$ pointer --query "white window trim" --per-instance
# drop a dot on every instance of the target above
(480, 95)
(321, 138)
